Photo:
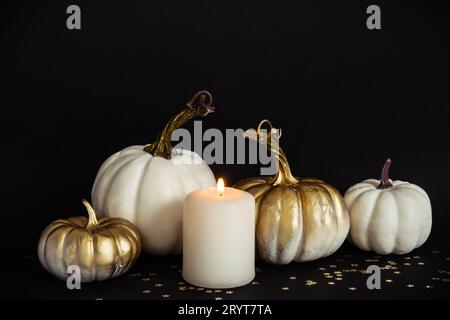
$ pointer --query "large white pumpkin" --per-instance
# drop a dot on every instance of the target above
(147, 184)
(388, 216)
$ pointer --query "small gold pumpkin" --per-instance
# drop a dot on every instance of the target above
(296, 219)
(102, 249)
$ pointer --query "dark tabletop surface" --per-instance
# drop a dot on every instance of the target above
(422, 274)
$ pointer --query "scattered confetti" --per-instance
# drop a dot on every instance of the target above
(388, 280)
(352, 288)
(146, 279)
(218, 298)
(326, 273)
(416, 257)
(435, 251)
(445, 280)
(165, 295)
(208, 291)
(293, 278)
(218, 291)
(407, 258)
(322, 269)
(191, 288)
(151, 274)
(435, 279)
(255, 283)
(99, 299)
(407, 264)
(200, 289)
(310, 283)
(332, 266)
(338, 279)
(372, 260)
(420, 263)
(182, 288)
(181, 283)
(331, 283)
(329, 277)
(354, 265)
(229, 292)
(410, 286)
(146, 291)
(429, 287)
(397, 272)
(285, 288)
(158, 285)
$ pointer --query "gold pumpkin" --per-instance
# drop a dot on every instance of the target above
(102, 249)
(296, 219)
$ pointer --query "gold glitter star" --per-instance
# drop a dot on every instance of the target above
(388, 280)
(346, 270)
(420, 263)
(372, 260)
(285, 288)
(332, 266)
(146, 291)
(352, 288)
(182, 288)
(229, 292)
(217, 291)
(310, 283)
(435, 279)
(392, 263)
(208, 291)
(98, 299)
(407, 258)
(397, 272)
(429, 287)
(255, 283)
(158, 285)
(322, 269)
(200, 289)
(146, 279)
(326, 273)
(218, 298)
(181, 283)
(337, 272)
(293, 278)
(416, 257)
(329, 277)
(331, 283)
(410, 286)
(165, 295)
(354, 265)
(338, 279)
(407, 264)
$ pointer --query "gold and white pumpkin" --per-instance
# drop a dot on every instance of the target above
(147, 184)
(388, 216)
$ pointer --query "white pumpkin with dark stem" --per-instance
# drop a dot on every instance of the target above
(147, 184)
(388, 216)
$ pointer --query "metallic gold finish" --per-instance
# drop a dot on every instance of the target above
(296, 219)
(102, 249)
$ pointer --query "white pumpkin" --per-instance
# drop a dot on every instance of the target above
(388, 216)
(147, 184)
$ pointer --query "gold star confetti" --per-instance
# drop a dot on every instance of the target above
(392, 263)
(338, 279)
(218, 298)
(182, 288)
(151, 274)
(165, 295)
(285, 288)
(354, 265)
(372, 260)
(99, 299)
(420, 263)
(397, 272)
(322, 269)
(229, 292)
(146, 291)
(146, 279)
(346, 270)
(429, 287)
(332, 266)
(326, 273)
(200, 289)
(310, 283)
(158, 285)
(293, 278)
(217, 291)
(407, 264)
(416, 257)
(407, 258)
(410, 286)
(352, 288)
(435, 279)
(208, 291)
(331, 283)
(329, 277)
(181, 283)
(388, 280)
(255, 283)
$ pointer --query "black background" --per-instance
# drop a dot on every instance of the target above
(346, 97)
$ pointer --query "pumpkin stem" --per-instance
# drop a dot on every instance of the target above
(200, 104)
(92, 222)
(384, 179)
(283, 174)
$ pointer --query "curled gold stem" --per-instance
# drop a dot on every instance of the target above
(200, 104)
(92, 222)
(283, 174)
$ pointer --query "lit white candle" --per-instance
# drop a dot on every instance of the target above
(219, 237)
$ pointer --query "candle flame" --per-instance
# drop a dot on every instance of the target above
(220, 187)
